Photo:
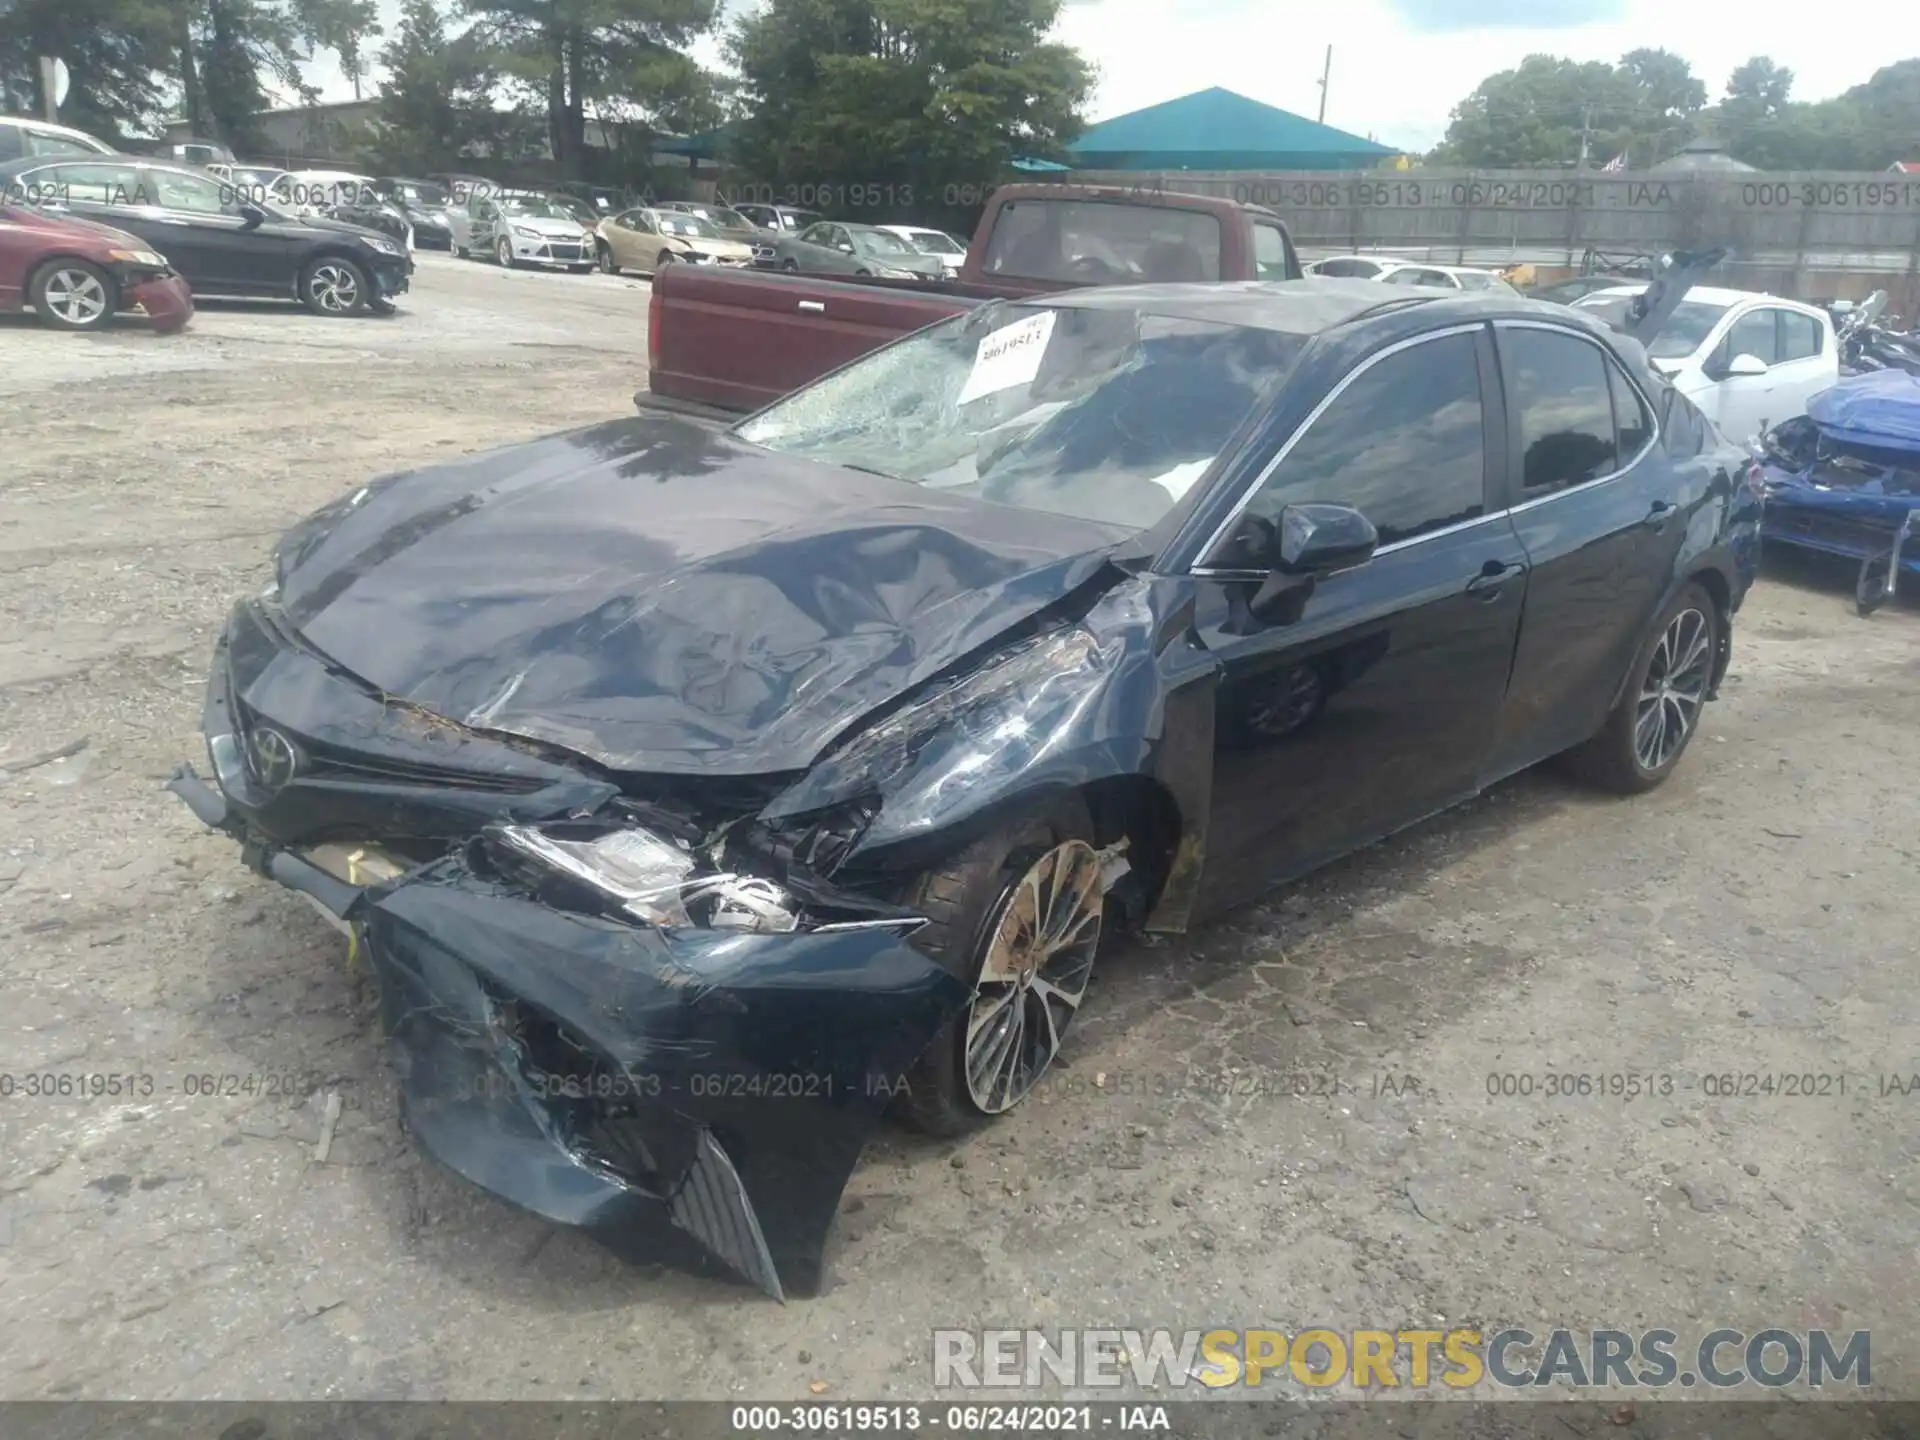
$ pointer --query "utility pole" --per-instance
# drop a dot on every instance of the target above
(1326, 72)
(1586, 134)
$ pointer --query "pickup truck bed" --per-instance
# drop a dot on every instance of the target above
(734, 340)
(740, 339)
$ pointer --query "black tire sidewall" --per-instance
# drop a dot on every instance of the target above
(36, 291)
(979, 878)
(1692, 596)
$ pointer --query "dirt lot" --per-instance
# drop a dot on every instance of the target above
(1759, 915)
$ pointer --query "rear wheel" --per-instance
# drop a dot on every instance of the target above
(1018, 913)
(74, 295)
(1650, 728)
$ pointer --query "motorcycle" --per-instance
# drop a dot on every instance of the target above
(1866, 344)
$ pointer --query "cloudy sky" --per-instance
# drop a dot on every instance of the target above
(1400, 65)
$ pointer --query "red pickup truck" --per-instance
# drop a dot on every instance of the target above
(727, 340)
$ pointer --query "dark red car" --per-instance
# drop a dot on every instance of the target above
(77, 274)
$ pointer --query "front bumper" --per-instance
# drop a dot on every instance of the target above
(167, 299)
(654, 1087)
(390, 275)
(553, 252)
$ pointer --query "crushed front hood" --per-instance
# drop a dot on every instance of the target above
(660, 597)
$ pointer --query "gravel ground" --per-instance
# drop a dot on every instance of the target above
(1757, 915)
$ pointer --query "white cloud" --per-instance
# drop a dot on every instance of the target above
(1395, 77)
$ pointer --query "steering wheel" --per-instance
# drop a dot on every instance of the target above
(1091, 267)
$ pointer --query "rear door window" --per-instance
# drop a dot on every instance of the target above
(1102, 242)
(1561, 391)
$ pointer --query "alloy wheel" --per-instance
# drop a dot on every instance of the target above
(1039, 959)
(335, 288)
(75, 296)
(504, 252)
(607, 267)
(1673, 689)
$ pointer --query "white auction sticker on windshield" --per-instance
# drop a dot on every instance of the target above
(1008, 357)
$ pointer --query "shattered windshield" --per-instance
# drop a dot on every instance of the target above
(1110, 415)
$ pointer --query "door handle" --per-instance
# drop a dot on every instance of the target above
(1492, 579)
(815, 307)
(1657, 518)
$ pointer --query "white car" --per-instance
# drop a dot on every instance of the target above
(22, 138)
(1747, 361)
(949, 251)
(1409, 272)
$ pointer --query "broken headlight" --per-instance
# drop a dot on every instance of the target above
(654, 880)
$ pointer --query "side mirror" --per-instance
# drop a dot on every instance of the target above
(1318, 539)
(1745, 364)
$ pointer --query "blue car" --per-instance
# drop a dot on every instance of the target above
(1844, 478)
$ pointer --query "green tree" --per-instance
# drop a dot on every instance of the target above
(575, 56)
(437, 98)
(117, 54)
(344, 27)
(878, 98)
(1540, 114)
(1867, 128)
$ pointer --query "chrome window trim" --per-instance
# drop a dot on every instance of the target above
(1234, 515)
(1606, 359)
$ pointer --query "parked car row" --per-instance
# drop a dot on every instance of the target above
(185, 222)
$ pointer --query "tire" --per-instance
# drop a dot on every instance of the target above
(333, 285)
(662, 260)
(605, 261)
(74, 295)
(968, 901)
(792, 267)
(1629, 755)
(459, 250)
(503, 252)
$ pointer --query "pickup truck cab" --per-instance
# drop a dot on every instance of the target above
(729, 341)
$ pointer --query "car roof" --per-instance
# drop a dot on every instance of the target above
(1307, 307)
(49, 127)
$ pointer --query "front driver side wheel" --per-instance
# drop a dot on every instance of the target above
(1660, 709)
(503, 252)
(607, 267)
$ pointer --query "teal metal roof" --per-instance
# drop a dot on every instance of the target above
(1219, 130)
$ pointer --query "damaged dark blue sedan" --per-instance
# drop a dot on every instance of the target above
(700, 795)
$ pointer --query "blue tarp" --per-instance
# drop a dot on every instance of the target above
(1880, 408)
